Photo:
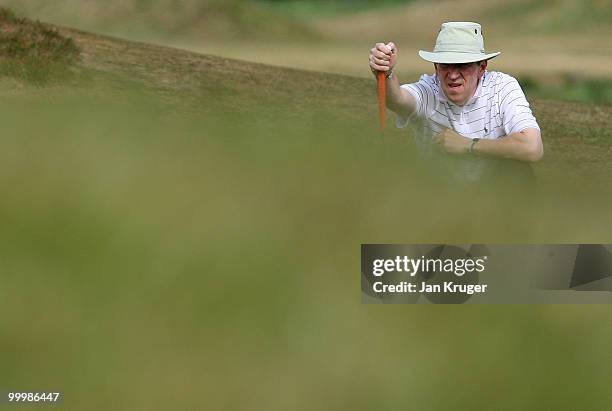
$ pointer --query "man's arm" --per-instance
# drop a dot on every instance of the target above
(524, 146)
(383, 57)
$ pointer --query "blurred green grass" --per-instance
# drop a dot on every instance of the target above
(147, 20)
(565, 16)
(320, 8)
(570, 88)
(156, 259)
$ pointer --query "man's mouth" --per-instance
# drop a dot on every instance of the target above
(454, 85)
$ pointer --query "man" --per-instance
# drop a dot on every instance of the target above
(464, 110)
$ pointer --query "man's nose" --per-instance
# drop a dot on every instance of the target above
(454, 73)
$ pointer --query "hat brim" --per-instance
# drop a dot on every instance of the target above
(455, 58)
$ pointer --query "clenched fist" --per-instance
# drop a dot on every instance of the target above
(383, 57)
(452, 142)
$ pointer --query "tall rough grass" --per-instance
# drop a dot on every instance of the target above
(32, 51)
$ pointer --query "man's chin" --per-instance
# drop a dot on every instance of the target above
(454, 97)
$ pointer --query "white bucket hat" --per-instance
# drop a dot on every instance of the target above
(458, 42)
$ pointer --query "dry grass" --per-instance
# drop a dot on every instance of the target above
(574, 133)
(33, 51)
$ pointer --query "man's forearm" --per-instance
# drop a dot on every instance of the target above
(398, 100)
(523, 146)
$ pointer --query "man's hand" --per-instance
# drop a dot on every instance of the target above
(452, 142)
(383, 57)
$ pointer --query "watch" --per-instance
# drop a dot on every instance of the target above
(474, 141)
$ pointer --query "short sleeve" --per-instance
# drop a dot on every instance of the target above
(423, 94)
(515, 109)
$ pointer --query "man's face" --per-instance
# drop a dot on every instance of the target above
(459, 81)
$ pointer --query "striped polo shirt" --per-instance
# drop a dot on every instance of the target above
(498, 108)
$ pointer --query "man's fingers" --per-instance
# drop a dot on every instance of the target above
(378, 65)
(380, 62)
(379, 54)
(375, 67)
(384, 48)
(387, 48)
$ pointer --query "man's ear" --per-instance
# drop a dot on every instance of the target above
(483, 66)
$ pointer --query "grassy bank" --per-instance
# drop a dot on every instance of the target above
(206, 21)
(569, 88)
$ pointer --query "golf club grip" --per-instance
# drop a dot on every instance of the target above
(380, 77)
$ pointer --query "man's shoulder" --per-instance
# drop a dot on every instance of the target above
(427, 84)
(427, 80)
(497, 79)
